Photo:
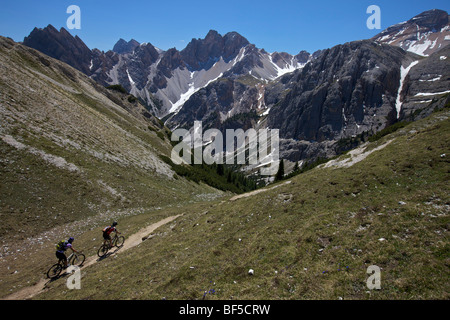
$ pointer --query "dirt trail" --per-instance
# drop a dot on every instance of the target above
(252, 193)
(356, 155)
(131, 241)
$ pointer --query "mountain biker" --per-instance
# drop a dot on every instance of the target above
(62, 247)
(107, 232)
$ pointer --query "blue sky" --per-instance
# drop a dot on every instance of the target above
(275, 25)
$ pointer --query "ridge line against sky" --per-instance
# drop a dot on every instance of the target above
(283, 25)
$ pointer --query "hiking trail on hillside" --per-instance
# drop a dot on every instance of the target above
(130, 242)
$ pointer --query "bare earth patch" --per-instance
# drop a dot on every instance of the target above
(356, 156)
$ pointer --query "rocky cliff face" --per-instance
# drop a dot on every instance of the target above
(427, 86)
(348, 89)
(218, 102)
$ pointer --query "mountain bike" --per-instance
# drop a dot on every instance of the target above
(117, 242)
(75, 259)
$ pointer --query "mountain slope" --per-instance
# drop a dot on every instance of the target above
(73, 154)
(76, 155)
(312, 237)
(56, 117)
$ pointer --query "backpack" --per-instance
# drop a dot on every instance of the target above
(106, 229)
(61, 245)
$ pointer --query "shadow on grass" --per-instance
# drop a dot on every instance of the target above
(109, 253)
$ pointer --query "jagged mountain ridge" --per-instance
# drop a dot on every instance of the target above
(166, 79)
(241, 90)
(389, 73)
(224, 81)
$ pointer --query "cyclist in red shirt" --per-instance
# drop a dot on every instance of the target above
(107, 232)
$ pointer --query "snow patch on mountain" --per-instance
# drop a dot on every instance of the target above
(403, 73)
(288, 67)
(200, 79)
(130, 79)
(426, 94)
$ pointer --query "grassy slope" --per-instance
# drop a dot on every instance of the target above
(311, 239)
(51, 110)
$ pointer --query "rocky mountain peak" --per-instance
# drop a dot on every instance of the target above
(233, 42)
(203, 53)
(303, 56)
(423, 34)
(123, 46)
(432, 19)
(212, 35)
(60, 45)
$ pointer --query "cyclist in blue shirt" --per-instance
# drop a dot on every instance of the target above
(62, 247)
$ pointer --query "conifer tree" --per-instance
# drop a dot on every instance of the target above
(280, 174)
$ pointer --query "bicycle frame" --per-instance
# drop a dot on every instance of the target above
(70, 257)
(110, 242)
(56, 269)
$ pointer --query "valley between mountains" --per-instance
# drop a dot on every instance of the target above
(85, 139)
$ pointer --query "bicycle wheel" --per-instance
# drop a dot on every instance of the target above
(103, 250)
(119, 241)
(54, 271)
(78, 259)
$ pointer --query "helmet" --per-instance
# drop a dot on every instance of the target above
(114, 223)
(71, 239)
